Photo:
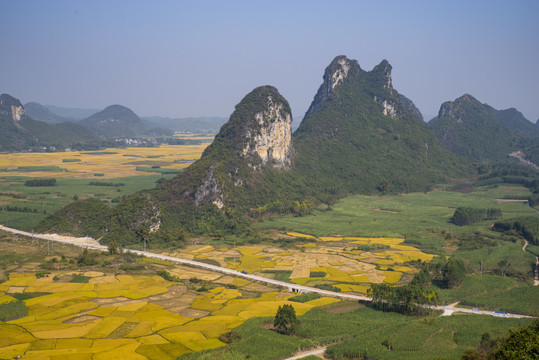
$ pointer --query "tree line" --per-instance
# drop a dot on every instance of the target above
(40, 182)
(469, 215)
(413, 298)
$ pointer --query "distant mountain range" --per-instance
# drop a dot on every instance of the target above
(152, 125)
(18, 131)
(360, 135)
(209, 125)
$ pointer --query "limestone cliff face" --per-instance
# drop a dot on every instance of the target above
(11, 107)
(271, 139)
(390, 105)
(335, 74)
(258, 136)
(379, 83)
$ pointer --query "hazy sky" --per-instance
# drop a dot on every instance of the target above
(199, 58)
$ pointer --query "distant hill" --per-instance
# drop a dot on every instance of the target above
(18, 131)
(469, 128)
(195, 125)
(516, 122)
(71, 113)
(115, 121)
(42, 113)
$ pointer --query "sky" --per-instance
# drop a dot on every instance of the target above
(200, 58)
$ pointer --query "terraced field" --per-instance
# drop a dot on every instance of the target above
(127, 317)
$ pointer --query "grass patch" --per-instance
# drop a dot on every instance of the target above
(25, 296)
(80, 279)
(13, 310)
(281, 275)
(70, 160)
(305, 297)
(327, 287)
(8, 259)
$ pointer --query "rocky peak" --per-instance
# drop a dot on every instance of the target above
(11, 107)
(336, 73)
(260, 129)
(457, 109)
(258, 134)
(384, 69)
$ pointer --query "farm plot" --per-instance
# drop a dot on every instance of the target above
(123, 316)
(348, 263)
(109, 163)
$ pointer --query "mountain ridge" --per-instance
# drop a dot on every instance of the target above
(356, 137)
(472, 129)
(20, 132)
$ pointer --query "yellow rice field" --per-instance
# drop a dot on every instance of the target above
(113, 317)
(121, 162)
(344, 264)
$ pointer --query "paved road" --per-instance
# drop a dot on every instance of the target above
(92, 244)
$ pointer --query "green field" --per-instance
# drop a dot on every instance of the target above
(424, 220)
(47, 199)
(412, 216)
(363, 330)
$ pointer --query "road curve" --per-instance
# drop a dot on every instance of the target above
(92, 244)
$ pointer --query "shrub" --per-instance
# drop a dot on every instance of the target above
(285, 319)
(40, 182)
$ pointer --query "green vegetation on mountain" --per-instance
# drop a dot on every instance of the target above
(517, 123)
(81, 218)
(18, 131)
(115, 121)
(348, 145)
(357, 137)
(472, 129)
(41, 113)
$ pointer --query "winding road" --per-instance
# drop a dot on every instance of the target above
(93, 244)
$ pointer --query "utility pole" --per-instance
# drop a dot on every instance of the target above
(481, 266)
(234, 253)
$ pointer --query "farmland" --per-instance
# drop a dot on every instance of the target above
(350, 264)
(120, 308)
(107, 174)
(118, 315)
(107, 163)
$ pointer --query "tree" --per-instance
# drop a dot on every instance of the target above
(504, 265)
(143, 231)
(113, 247)
(521, 344)
(285, 319)
(454, 273)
